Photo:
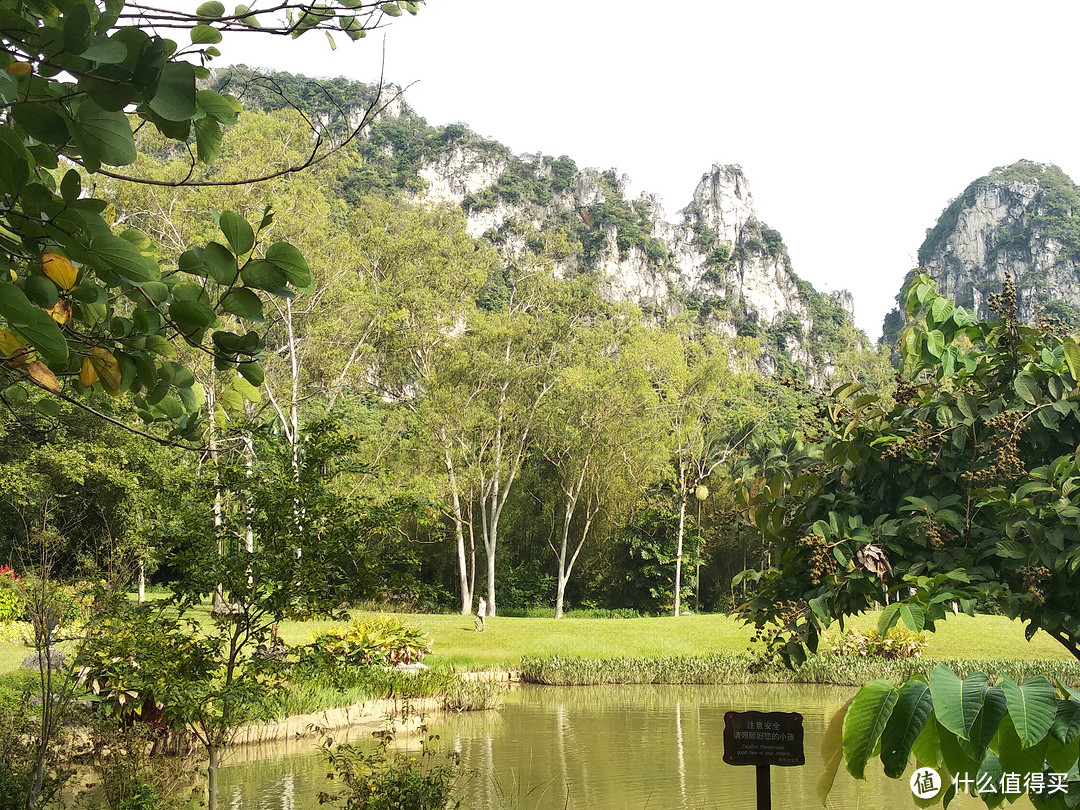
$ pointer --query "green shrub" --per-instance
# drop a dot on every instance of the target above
(895, 643)
(375, 641)
(472, 695)
(11, 604)
(391, 779)
(16, 632)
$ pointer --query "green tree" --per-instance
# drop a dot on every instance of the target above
(597, 432)
(964, 489)
(696, 388)
(83, 302)
(962, 486)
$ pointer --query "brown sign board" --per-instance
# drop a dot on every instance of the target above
(763, 738)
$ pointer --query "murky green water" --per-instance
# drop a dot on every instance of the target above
(601, 748)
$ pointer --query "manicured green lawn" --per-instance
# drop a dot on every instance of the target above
(12, 655)
(506, 640)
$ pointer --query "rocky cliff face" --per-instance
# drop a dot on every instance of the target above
(718, 261)
(1022, 219)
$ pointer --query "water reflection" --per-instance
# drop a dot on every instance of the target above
(603, 748)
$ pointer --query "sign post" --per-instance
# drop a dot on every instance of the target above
(763, 739)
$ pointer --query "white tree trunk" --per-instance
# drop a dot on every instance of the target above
(459, 535)
(679, 550)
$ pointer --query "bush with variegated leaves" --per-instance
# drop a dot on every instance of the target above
(376, 640)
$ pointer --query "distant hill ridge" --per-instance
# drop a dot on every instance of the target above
(718, 263)
(1022, 219)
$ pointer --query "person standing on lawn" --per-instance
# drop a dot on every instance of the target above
(481, 614)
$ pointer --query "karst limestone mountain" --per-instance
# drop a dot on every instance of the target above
(714, 261)
(718, 261)
(1022, 219)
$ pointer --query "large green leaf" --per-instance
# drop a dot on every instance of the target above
(1027, 388)
(957, 703)
(175, 96)
(990, 773)
(913, 706)
(203, 34)
(986, 724)
(927, 746)
(1032, 707)
(1072, 357)
(105, 50)
(864, 722)
(14, 161)
(223, 109)
(191, 317)
(914, 617)
(104, 136)
(262, 275)
(1066, 726)
(243, 302)
(120, 256)
(238, 232)
(935, 342)
(220, 263)
(293, 264)
(208, 140)
(1014, 756)
(33, 324)
(832, 752)
(42, 121)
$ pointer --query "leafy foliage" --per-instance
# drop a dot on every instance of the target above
(893, 643)
(963, 489)
(973, 732)
(387, 778)
(86, 305)
(377, 641)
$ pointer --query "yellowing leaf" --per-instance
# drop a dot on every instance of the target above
(43, 376)
(59, 270)
(60, 311)
(87, 373)
(108, 370)
(12, 349)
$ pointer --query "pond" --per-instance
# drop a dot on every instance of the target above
(601, 748)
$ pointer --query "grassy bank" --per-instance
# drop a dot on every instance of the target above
(739, 669)
(508, 640)
(699, 648)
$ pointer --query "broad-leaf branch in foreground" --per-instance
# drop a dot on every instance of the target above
(84, 306)
(968, 488)
(996, 741)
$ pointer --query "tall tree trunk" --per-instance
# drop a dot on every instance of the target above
(290, 419)
(459, 534)
(212, 775)
(682, 531)
(218, 506)
(573, 492)
(472, 554)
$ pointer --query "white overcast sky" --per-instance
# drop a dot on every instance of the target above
(855, 122)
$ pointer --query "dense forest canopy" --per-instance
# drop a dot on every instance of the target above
(509, 432)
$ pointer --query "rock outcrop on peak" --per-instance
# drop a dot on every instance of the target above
(719, 262)
(716, 264)
(1022, 219)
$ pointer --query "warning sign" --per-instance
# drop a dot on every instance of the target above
(763, 738)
